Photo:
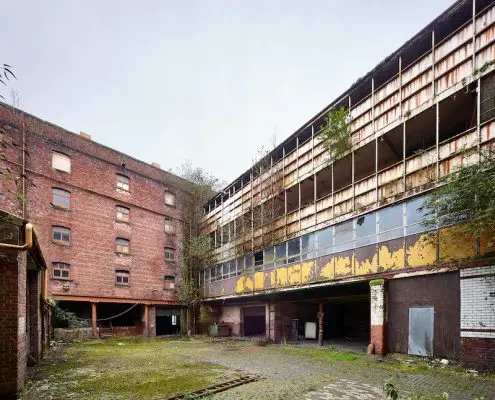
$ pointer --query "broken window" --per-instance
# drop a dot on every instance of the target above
(292, 196)
(169, 198)
(268, 257)
(342, 173)
(364, 161)
(294, 250)
(308, 246)
(324, 182)
(457, 114)
(241, 265)
(420, 132)
(307, 191)
(366, 230)
(258, 261)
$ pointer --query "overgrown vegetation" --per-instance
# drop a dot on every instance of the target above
(335, 132)
(196, 248)
(6, 74)
(466, 196)
(61, 316)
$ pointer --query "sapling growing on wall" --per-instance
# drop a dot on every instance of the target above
(335, 133)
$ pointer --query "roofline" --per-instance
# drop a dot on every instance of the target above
(408, 44)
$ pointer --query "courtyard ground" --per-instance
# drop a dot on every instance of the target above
(161, 368)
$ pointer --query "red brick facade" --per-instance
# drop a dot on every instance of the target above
(478, 353)
(91, 217)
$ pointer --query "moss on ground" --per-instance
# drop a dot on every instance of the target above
(121, 369)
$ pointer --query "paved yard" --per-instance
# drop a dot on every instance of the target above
(159, 368)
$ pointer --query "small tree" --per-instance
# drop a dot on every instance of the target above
(336, 132)
(466, 196)
(5, 75)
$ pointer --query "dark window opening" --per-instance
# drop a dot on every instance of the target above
(390, 148)
(258, 259)
(457, 114)
(292, 198)
(487, 100)
(307, 191)
(324, 182)
(364, 161)
(342, 173)
(420, 132)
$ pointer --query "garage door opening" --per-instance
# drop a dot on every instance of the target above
(167, 321)
(254, 321)
(347, 320)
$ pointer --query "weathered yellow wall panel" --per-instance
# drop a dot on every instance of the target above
(273, 279)
(294, 274)
(244, 284)
(327, 272)
(391, 260)
(423, 252)
(455, 245)
(343, 266)
(282, 279)
(487, 244)
(259, 280)
(308, 272)
(366, 266)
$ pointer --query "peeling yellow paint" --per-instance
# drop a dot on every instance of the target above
(259, 280)
(391, 260)
(294, 274)
(244, 284)
(343, 266)
(487, 244)
(282, 279)
(327, 271)
(308, 271)
(423, 252)
(366, 266)
(273, 279)
(455, 244)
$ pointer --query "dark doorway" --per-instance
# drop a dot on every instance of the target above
(347, 319)
(167, 321)
(254, 321)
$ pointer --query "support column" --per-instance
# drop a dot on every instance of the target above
(274, 327)
(320, 323)
(151, 321)
(378, 306)
(146, 321)
(93, 320)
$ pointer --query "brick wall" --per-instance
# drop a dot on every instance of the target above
(478, 317)
(91, 217)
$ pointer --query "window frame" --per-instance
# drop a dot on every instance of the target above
(124, 244)
(169, 250)
(62, 231)
(65, 194)
(170, 226)
(117, 212)
(62, 156)
(169, 282)
(119, 184)
(174, 197)
(60, 267)
(124, 276)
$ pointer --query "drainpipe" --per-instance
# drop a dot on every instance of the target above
(29, 240)
(23, 170)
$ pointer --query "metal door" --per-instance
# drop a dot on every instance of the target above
(421, 321)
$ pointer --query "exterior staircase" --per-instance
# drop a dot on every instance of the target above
(105, 332)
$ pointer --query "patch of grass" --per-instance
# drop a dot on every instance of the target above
(126, 368)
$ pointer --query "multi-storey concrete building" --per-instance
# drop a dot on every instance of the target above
(338, 250)
(110, 226)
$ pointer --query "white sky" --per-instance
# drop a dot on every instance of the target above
(204, 81)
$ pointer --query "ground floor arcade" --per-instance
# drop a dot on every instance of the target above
(105, 318)
(447, 315)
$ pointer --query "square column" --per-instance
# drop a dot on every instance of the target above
(274, 323)
(378, 307)
(93, 319)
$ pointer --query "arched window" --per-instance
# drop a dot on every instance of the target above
(60, 198)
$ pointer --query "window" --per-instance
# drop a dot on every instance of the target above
(122, 245)
(169, 226)
(122, 277)
(366, 230)
(60, 162)
(169, 198)
(122, 214)
(169, 254)
(169, 282)
(344, 233)
(294, 250)
(281, 254)
(123, 183)
(416, 214)
(308, 244)
(268, 257)
(258, 261)
(60, 198)
(61, 234)
(325, 241)
(60, 270)
(390, 221)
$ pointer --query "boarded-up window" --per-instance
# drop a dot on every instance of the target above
(122, 214)
(169, 198)
(60, 162)
(123, 183)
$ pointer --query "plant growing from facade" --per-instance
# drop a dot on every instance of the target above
(467, 196)
(335, 133)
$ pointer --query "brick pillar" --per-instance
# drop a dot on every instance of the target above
(151, 321)
(94, 317)
(378, 306)
(146, 322)
(34, 308)
(274, 320)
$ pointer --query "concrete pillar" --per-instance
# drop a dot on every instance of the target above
(146, 321)
(94, 317)
(151, 321)
(320, 323)
(378, 296)
(274, 327)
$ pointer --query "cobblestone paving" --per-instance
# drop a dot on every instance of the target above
(288, 375)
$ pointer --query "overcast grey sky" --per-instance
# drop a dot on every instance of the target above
(205, 81)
